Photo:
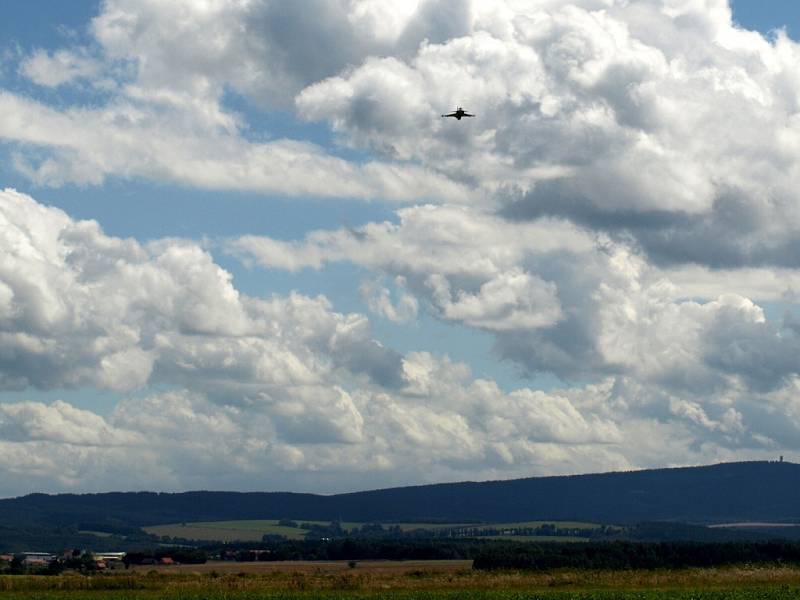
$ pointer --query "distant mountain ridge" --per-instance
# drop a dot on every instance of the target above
(722, 493)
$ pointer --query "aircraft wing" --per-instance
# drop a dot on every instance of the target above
(452, 114)
(467, 115)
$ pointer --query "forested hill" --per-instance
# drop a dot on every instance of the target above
(751, 491)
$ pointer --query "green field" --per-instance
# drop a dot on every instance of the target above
(227, 531)
(254, 530)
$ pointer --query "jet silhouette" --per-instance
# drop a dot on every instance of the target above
(458, 113)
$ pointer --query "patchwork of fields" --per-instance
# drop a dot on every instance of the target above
(254, 530)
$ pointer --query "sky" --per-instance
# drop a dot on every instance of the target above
(241, 250)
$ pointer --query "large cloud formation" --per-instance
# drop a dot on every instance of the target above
(618, 215)
(262, 389)
(286, 392)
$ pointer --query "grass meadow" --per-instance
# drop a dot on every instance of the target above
(425, 580)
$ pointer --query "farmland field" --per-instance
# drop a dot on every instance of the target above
(428, 580)
(227, 531)
(254, 530)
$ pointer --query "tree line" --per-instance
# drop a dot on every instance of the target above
(635, 555)
(505, 554)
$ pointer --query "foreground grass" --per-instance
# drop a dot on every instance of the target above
(376, 581)
(762, 594)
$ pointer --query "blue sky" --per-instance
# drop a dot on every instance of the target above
(575, 268)
(766, 16)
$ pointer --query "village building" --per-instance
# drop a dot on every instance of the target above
(109, 557)
(37, 559)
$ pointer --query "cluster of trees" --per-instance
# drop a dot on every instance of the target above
(319, 531)
(545, 529)
(334, 530)
(288, 523)
(633, 555)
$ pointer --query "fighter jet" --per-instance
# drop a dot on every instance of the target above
(458, 113)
